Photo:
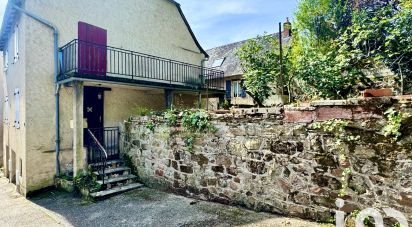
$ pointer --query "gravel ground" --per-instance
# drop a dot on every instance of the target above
(142, 207)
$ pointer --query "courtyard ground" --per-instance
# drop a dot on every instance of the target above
(142, 207)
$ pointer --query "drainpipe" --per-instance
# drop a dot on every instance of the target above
(56, 74)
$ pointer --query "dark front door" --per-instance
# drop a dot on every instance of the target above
(92, 54)
(93, 112)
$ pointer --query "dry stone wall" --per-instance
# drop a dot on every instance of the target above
(273, 160)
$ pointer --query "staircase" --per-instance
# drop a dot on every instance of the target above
(103, 157)
(117, 178)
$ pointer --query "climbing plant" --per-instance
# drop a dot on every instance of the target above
(337, 128)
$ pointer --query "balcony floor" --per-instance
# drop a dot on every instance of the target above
(136, 81)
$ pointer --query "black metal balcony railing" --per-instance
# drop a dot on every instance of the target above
(84, 59)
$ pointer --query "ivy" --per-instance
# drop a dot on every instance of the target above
(394, 123)
(338, 129)
(197, 121)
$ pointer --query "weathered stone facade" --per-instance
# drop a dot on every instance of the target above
(268, 163)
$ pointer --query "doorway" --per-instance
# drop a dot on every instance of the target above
(93, 112)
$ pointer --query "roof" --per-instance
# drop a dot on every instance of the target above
(11, 15)
(231, 63)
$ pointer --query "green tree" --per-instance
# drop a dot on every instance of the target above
(261, 65)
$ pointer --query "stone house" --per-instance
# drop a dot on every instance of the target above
(72, 74)
(224, 58)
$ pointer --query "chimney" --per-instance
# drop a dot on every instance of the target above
(287, 28)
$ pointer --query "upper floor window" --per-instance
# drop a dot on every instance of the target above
(238, 91)
(16, 43)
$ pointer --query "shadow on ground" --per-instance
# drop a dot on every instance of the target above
(148, 207)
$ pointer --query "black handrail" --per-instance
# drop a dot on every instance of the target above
(84, 58)
(109, 139)
(98, 154)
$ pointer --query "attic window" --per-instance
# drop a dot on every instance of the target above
(218, 62)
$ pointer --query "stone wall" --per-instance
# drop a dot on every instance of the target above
(273, 160)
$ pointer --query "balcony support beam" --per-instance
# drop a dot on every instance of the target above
(79, 152)
(169, 98)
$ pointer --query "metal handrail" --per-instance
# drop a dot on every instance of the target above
(101, 168)
(84, 59)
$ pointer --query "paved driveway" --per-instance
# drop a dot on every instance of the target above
(142, 207)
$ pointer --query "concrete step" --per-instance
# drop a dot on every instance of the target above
(108, 163)
(114, 191)
(117, 179)
(114, 170)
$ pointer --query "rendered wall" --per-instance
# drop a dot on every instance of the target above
(15, 138)
(152, 27)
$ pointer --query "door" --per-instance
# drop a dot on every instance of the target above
(93, 112)
(92, 54)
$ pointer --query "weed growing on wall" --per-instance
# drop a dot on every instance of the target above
(395, 119)
(338, 129)
(86, 181)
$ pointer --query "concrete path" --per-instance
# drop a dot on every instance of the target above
(16, 210)
(142, 207)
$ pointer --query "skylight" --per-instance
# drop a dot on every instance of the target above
(218, 62)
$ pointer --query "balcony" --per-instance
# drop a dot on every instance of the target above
(87, 61)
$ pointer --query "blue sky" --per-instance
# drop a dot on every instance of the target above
(218, 22)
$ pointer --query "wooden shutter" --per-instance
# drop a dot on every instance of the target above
(92, 54)
(6, 110)
(228, 89)
(17, 108)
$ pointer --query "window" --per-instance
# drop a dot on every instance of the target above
(218, 62)
(238, 91)
(6, 60)
(17, 108)
(16, 43)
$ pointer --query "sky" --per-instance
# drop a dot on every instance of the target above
(219, 22)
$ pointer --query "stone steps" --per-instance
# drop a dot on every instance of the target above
(117, 179)
(115, 191)
(114, 170)
(109, 163)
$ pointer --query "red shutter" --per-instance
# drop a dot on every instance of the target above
(92, 54)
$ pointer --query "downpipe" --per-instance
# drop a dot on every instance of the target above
(56, 74)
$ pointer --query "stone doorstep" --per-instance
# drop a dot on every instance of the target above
(116, 190)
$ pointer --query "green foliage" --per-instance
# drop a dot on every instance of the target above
(325, 67)
(86, 181)
(394, 123)
(142, 111)
(260, 59)
(340, 135)
(170, 117)
(189, 141)
(151, 126)
(367, 221)
(197, 121)
(224, 105)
